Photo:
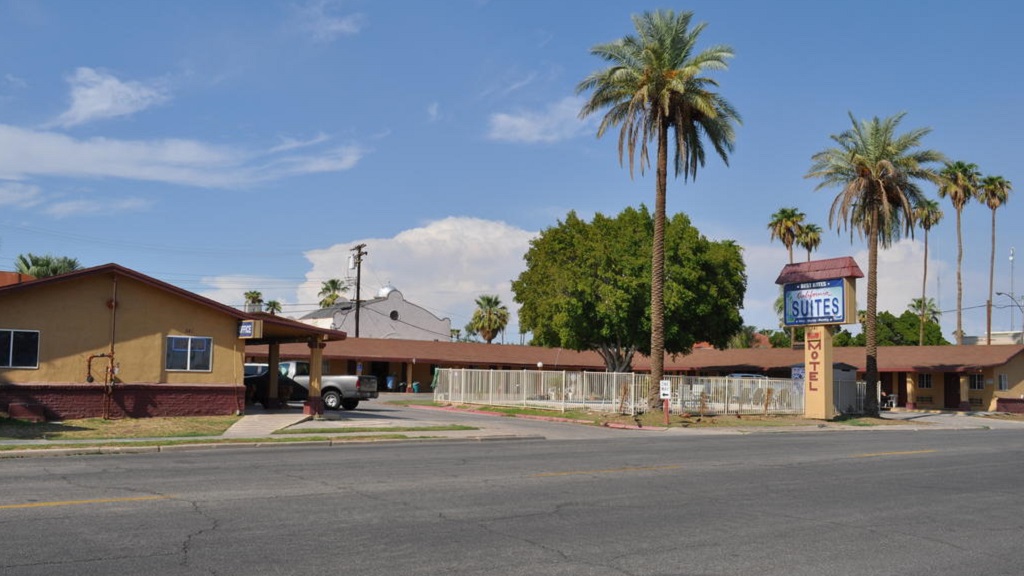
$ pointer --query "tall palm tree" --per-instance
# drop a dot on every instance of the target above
(490, 317)
(272, 306)
(959, 181)
(45, 266)
(655, 85)
(787, 225)
(993, 191)
(809, 238)
(928, 215)
(877, 170)
(330, 291)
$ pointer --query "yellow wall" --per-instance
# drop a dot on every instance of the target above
(74, 322)
(1014, 371)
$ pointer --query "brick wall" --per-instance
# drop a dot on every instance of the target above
(1014, 405)
(66, 401)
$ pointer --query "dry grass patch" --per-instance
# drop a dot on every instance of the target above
(100, 429)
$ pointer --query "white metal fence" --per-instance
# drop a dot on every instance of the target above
(627, 392)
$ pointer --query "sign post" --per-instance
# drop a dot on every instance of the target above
(818, 296)
(665, 393)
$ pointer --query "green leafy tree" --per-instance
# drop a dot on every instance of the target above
(877, 170)
(45, 266)
(993, 191)
(489, 319)
(809, 238)
(959, 181)
(272, 306)
(587, 287)
(787, 226)
(928, 216)
(330, 291)
(655, 86)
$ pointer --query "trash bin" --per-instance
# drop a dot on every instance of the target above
(416, 387)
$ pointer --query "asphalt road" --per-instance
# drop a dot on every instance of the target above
(808, 503)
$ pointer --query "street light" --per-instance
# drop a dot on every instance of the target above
(1017, 303)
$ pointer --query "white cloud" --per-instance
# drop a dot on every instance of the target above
(27, 153)
(559, 121)
(443, 266)
(86, 207)
(19, 195)
(96, 95)
(15, 81)
(433, 111)
(292, 143)
(320, 20)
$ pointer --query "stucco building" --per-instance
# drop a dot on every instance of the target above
(921, 377)
(108, 341)
(389, 315)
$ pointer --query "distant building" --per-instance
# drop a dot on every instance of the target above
(388, 316)
(1014, 337)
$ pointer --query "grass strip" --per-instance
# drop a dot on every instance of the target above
(100, 429)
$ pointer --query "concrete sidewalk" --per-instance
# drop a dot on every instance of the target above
(264, 423)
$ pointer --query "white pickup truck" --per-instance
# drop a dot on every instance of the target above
(336, 391)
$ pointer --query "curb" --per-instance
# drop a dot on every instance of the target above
(207, 446)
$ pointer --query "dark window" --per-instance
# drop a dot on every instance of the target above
(394, 314)
(189, 353)
(19, 349)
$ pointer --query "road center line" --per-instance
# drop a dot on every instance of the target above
(80, 502)
(877, 454)
(608, 471)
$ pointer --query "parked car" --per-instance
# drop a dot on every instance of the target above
(342, 391)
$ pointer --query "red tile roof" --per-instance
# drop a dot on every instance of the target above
(273, 326)
(828, 269)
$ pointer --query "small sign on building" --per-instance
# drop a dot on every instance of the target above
(250, 329)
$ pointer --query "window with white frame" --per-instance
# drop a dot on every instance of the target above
(189, 353)
(924, 381)
(977, 382)
(1004, 382)
(19, 348)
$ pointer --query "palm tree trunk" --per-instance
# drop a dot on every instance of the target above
(792, 331)
(959, 282)
(924, 289)
(991, 281)
(870, 336)
(658, 268)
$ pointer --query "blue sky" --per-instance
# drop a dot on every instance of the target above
(230, 146)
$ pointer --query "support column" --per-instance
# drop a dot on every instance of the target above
(912, 378)
(965, 403)
(315, 404)
(818, 392)
(273, 359)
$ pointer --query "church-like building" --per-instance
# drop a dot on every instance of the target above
(388, 316)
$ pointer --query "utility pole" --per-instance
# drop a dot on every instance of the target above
(358, 258)
(1012, 297)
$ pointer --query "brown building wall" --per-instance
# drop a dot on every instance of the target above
(75, 320)
(78, 318)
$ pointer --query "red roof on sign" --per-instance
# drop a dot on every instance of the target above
(844, 267)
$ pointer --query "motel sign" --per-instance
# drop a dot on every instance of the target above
(818, 296)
